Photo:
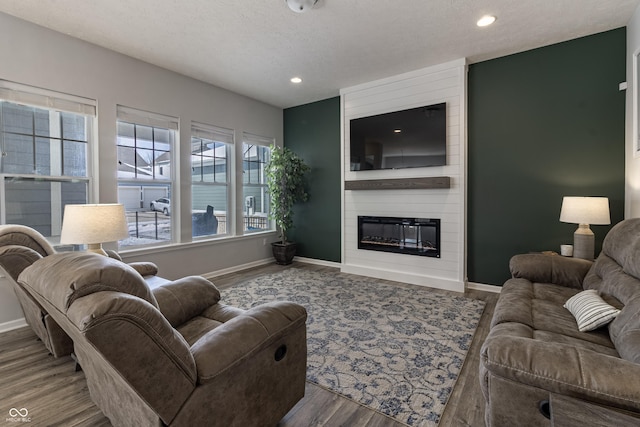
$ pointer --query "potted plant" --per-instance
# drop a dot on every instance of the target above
(285, 182)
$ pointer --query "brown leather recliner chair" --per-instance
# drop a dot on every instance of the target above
(21, 246)
(174, 356)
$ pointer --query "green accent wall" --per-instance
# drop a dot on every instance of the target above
(313, 132)
(542, 124)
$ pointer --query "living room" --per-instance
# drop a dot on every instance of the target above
(534, 126)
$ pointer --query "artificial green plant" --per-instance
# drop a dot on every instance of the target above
(285, 182)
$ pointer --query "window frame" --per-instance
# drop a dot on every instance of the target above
(225, 136)
(61, 104)
(142, 118)
(249, 139)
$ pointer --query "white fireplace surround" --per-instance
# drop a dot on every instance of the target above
(432, 85)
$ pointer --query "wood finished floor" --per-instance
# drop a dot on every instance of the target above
(56, 395)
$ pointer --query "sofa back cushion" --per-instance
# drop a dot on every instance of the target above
(625, 331)
(64, 277)
(21, 235)
(615, 275)
(617, 270)
(15, 258)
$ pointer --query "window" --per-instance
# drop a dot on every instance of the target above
(45, 138)
(210, 174)
(145, 142)
(255, 156)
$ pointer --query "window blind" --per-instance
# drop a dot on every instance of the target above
(140, 117)
(213, 133)
(36, 97)
(251, 139)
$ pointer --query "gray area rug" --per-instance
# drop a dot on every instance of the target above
(395, 350)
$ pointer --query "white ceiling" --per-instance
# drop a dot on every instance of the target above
(253, 47)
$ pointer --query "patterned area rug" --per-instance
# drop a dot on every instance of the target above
(395, 350)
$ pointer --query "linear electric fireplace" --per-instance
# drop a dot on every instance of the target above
(412, 236)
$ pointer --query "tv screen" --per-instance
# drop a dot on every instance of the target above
(411, 138)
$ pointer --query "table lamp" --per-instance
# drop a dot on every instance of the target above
(94, 225)
(585, 211)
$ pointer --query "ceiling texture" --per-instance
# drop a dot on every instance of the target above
(253, 47)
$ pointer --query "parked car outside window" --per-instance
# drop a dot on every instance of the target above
(161, 205)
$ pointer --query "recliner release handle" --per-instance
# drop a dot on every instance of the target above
(280, 353)
(545, 408)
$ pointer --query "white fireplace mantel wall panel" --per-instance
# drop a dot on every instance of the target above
(433, 85)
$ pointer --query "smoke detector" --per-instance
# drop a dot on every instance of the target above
(300, 6)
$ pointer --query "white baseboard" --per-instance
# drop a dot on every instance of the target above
(483, 287)
(237, 268)
(12, 324)
(318, 262)
(414, 279)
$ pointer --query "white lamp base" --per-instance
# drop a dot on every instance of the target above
(96, 248)
(583, 242)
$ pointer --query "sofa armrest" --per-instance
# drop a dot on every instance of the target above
(541, 268)
(243, 336)
(562, 369)
(145, 268)
(185, 298)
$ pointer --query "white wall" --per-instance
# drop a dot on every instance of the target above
(632, 190)
(442, 83)
(39, 57)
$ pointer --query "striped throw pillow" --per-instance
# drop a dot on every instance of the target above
(590, 310)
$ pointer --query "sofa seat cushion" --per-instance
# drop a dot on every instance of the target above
(518, 297)
(604, 347)
(208, 320)
(195, 328)
(539, 306)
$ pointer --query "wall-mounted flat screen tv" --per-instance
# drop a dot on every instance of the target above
(411, 138)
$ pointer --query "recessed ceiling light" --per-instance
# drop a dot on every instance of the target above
(296, 80)
(486, 20)
(397, 130)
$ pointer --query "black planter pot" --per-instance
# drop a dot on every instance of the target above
(283, 252)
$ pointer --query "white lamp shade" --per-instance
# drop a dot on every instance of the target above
(92, 224)
(585, 210)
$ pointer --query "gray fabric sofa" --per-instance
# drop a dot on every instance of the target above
(173, 355)
(535, 363)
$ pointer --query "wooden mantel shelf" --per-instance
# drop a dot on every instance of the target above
(399, 183)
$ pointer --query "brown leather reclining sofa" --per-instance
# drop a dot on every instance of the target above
(538, 369)
(175, 355)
